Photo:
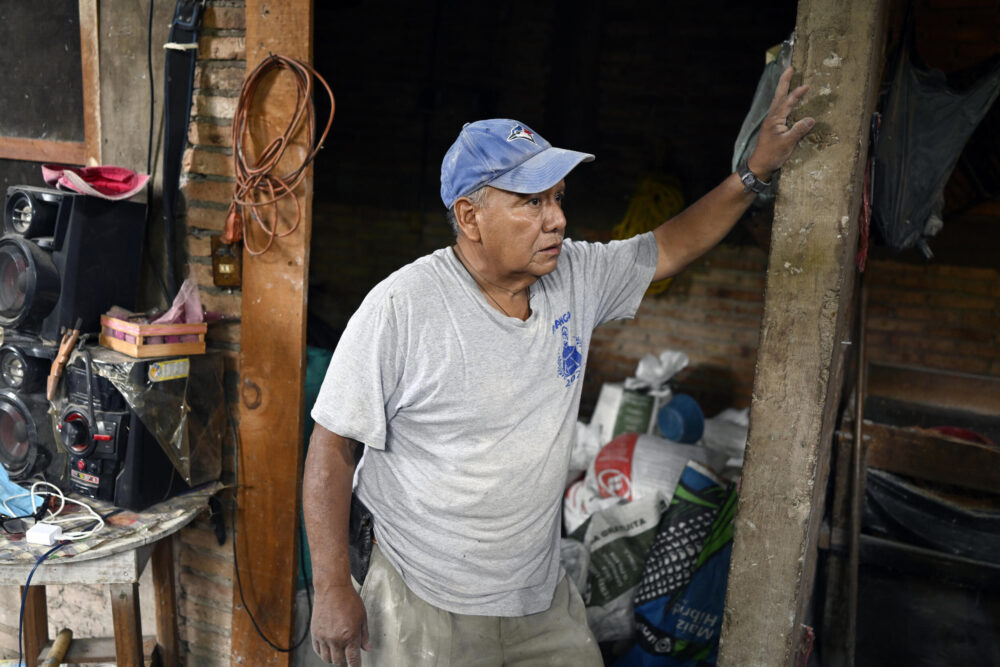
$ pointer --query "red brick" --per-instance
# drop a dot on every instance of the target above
(201, 217)
(222, 48)
(955, 363)
(200, 534)
(962, 301)
(201, 161)
(204, 190)
(205, 563)
(216, 135)
(219, 76)
(224, 18)
(225, 332)
(214, 106)
(221, 302)
(220, 617)
(202, 273)
(195, 586)
(198, 246)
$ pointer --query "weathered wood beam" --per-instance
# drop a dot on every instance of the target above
(809, 288)
(272, 361)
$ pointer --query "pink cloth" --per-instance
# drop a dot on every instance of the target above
(186, 309)
(106, 182)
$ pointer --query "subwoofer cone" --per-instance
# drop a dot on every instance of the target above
(29, 282)
(17, 452)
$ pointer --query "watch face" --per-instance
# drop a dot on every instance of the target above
(751, 182)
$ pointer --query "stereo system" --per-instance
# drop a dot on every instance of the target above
(112, 455)
(65, 259)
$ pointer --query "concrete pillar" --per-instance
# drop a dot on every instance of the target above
(797, 387)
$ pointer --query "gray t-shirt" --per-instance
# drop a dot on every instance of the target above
(468, 418)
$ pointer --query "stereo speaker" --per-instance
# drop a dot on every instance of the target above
(66, 257)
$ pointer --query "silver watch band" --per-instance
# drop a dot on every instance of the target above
(750, 181)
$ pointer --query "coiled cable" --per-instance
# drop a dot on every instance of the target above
(258, 189)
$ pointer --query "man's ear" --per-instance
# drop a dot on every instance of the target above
(465, 215)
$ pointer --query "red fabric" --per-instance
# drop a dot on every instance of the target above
(106, 182)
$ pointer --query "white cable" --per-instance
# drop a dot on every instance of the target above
(53, 515)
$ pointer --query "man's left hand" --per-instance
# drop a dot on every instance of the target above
(776, 140)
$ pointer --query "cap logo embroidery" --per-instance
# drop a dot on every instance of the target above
(518, 132)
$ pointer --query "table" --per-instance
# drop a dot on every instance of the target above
(116, 558)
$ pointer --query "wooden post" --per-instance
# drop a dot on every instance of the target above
(164, 587)
(36, 623)
(128, 624)
(272, 364)
(804, 333)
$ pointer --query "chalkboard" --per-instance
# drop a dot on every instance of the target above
(41, 84)
(49, 82)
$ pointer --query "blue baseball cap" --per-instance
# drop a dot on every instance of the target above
(505, 154)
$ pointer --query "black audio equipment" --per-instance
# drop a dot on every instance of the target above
(65, 256)
(27, 440)
(112, 455)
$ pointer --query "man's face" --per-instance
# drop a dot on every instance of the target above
(522, 234)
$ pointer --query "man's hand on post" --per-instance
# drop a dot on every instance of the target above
(776, 140)
(340, 626)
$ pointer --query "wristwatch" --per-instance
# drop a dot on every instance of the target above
(750, 181)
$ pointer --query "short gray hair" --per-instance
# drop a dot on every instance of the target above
(478, 199)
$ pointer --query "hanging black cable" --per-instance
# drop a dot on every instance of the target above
(149, 155)
(236, 562)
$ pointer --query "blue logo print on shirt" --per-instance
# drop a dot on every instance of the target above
(571, 358)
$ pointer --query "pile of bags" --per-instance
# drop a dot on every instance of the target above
(648, 519)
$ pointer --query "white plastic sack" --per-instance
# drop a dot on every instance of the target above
(634, 466)
(632, 405)
(617, 540)
(580, 502)
(726, 433)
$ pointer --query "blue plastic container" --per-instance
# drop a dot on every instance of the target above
(681, 420)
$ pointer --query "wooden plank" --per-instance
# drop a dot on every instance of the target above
(127, 623)
(165, 591)
(958, 391)
(117, 568)
(35, 629)
(90, 63)
(810, 283)
(40, 150)
(272, 367)
(88, 650)
(933, 457)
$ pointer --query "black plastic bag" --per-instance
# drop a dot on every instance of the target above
(925, 125)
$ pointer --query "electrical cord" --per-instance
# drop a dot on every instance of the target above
(52, 515)
(236, 562)
(24, 600)
(257, 187)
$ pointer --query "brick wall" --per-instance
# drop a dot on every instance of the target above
(936, 316)
(204, 568)
(711, 312)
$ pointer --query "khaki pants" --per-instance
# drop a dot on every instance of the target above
(405, 631)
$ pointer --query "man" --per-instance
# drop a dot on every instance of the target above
(461, 374)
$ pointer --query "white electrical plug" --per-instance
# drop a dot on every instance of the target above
(43, 533)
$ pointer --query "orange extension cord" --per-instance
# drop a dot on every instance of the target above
(257, 187)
